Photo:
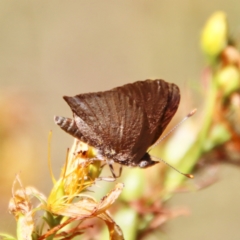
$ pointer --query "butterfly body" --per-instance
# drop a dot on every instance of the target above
(122, 123)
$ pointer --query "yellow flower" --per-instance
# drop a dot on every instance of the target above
(67, 198)
(68, 202)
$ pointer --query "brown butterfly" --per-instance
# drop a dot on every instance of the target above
(124, 122)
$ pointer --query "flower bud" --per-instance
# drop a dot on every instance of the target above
(231, 55)
(228, 79)
(214, 35)
(218, 135)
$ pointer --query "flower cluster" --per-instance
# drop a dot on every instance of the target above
(68, 204)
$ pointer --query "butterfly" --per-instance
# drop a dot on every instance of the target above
(122, 123)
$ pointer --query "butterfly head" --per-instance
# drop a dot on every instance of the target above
(146, 161)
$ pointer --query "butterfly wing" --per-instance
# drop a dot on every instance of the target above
(69, 126)
(158, 98)
(113, 123)
(123, 122)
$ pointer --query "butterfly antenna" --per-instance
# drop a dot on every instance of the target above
(163, 137)
(185, 174)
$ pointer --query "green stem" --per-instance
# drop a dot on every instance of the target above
(188, 161)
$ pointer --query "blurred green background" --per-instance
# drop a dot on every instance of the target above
(53, 48)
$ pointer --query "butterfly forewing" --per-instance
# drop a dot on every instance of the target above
(112, 122)
(170, 109)
(159, 100)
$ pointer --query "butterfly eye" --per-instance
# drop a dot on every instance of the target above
(143, 164)
(147, 163)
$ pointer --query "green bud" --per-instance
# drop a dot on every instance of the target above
(228, 79)
(218, 135)
(215, 35)
(95, 169)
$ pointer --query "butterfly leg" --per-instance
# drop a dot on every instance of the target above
(108, 179)
(120, 171)
(114, 176)
(103, 165)
(113, 172)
